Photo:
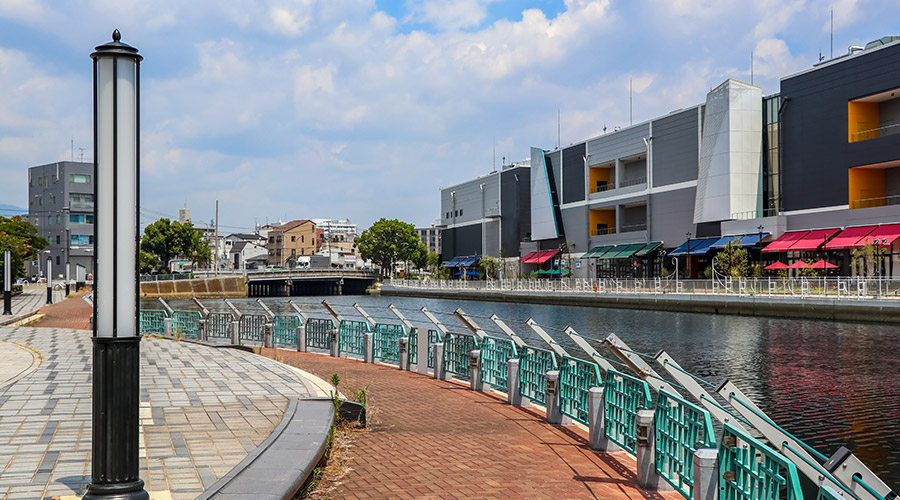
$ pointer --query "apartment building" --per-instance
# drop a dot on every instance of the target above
(291, 240)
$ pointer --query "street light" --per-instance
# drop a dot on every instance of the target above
(116, 370)
(759, 229)
(49, 280)
(688, 255)
(7, 281)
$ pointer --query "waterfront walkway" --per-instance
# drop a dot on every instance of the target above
(32, 298)
(437, 439)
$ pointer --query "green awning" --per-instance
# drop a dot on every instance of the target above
(653, 245)
(597, 251)
(623, 251)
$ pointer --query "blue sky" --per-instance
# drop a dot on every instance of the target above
(290, 109)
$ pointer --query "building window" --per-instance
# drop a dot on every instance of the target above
(81, 199)
(57, 239)
(302, 238)
(57, 219)
(460, 211)
(57, 258)
(271, 239)
(293, 238)
(79, 178)
(81, 219)
(81, 239)
(53, 199)
(49, 219)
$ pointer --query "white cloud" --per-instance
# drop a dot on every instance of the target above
(448, 14)
(773, 58)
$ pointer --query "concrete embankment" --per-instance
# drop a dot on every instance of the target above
(830, 308)
(226, 287)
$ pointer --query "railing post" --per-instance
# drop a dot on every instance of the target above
(369, 348)
(554, 411)
(335, 344)
(645, 453)
(167, 327)
(706, 474)
(597, 422)
(201, 330)
(235, 333)
(422, 351)
(404, 353)
(438, 351)
(513, 395)
(475, 382)
(267, 336)
(301, 338)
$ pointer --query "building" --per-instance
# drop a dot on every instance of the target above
(336, 225)
(431, 238)
(291, 240)
(61, 207)
(241, 247)
(816, 165)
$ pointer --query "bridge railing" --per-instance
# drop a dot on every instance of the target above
(318, 332)
(576, 377)
(151, 321)
(457, 347)
(386, 341)
(218, 325)
(623, 396)
(186, 323)
(750, 470)
(284, 328)
(681, 429)
(495, 354)
(252, 327)
(534, 363)
(352, 336)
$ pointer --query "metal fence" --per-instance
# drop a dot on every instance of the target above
(284, 328)
(495, 352)
(750, 470)
(352, 336)
(534, 363)
(252, 327)
(186, 323)
(623, 396)
(151, 321)
(218, 325)
(434, 336)
(576, 377)
(457, 347)
(681, 429)
(318, 332)
(386, 341)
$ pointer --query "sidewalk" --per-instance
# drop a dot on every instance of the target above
(437, 439)
(32, 298)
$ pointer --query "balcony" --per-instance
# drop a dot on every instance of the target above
(637, 181)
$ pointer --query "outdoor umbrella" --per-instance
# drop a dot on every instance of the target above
(798, 265)
(460, 273)
(821, 264)
(473, 273)
(777, 265)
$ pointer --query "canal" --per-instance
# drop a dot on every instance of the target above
(829, 383)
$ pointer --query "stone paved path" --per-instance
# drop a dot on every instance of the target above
(32, 298)
(202, 411)
(437, 439)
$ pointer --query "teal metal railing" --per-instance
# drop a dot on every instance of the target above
(434, 336)
(412, 346)
(623, 396)
(318, 332)
(151, 321)
(457, 347)
(827, 493)
(495, 352)
(352, 336)
(534, 363)
(681, 429)
(576, 377)
(750, 470)
(218, 325)
(284, 328)
(386, 341)
(186, 323)
(252, 327)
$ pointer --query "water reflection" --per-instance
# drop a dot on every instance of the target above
(831, 384)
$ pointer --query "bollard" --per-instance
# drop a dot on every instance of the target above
(335, 344)
(235, 333)
(513, 395)
(267, 336)
(404, 353)
(422, 351)
(647, 476)
(438, 351)
(201, 330)
(301, 338)
(706, 474)
(369, 348)
(597, 422)
(475, 382)
(554, 412)
(167, 327)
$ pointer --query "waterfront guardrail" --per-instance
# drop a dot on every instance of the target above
(681, 429)
(352, 336)
(576, 377)
(318, 333)
(434, 336)
(151, 321)
(284, 328)
(495, 355)
(252, 327)
(534, 363)
(186, 323)
(386, 341)
(457, 347)
(218, 325)
(750, 470)
(623, 396)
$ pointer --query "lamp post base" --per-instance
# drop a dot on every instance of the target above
(7, 302)
(49, 295)
(115, 462)
(67, 289)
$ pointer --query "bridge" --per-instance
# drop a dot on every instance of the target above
(299, 282)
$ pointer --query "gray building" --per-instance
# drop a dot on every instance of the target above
(61, 207)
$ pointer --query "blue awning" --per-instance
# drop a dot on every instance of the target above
(740, 240)
(468, 261)
(697, 247)
(453, 262)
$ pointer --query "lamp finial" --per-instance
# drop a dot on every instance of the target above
(116, 35)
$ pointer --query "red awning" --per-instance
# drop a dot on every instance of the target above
(529, 257)
(889, 232)
(813, 240)
(544, 256)
(783, 242)
(848, 237)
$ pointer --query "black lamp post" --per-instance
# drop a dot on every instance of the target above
(7, 281)
(759, 229)
(688, 255)
(116, 371)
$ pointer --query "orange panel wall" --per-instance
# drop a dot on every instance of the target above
(861, 116)
(866, 183)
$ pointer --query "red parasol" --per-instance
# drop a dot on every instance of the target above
(777, 265)
(799, 265)
(821, 264)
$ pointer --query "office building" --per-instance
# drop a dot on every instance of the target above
(430, 237)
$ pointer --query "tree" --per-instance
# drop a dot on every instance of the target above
(433, 261)
(388, 241)
(732, 261)
(166, 240)
(21, 237)
(489, 266)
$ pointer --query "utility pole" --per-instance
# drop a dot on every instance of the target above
(216, 257)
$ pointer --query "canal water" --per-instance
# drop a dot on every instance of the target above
(829, 383)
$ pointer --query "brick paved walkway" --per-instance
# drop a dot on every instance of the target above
(437, 439)
(73, 312)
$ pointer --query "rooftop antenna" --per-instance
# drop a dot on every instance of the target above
(72, 145)
(557, 128)
(81, 155)
(630, 102)
(832, 33)
(494, 152)
(821, 57)
(751, 66)
(604, 128)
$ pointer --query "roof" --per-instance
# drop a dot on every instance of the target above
(238, 247)
(246, 236)
(292, 225)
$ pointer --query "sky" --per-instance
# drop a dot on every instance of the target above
(363, 109)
